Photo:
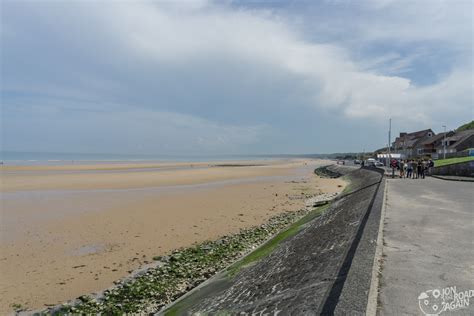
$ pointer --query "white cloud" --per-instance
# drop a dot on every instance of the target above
(134, 39)
(170, 36)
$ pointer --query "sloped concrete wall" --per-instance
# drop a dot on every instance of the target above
(324, 269)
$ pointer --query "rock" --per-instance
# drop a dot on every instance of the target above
(175, 257)
(79, 266)
(319, 203)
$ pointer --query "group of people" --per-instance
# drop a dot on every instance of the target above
(413, 169)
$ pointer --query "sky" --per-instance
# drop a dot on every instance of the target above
(231, 77)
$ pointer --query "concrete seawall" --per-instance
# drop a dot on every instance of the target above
(325, 268)
(463, 169)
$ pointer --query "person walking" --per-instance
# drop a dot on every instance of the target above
(418, 169)
(400, 166)
(415, 169)
(409, 169)
(424, 168)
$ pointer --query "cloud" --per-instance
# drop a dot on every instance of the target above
(229, 73)
(182, 37)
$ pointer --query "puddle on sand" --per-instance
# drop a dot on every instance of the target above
(88, 250)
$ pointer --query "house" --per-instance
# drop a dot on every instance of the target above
(456, 142)
(427, 146)
(407, 143)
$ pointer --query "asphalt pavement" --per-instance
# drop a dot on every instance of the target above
(428, 251)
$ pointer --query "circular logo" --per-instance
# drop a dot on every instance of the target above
(430, 302)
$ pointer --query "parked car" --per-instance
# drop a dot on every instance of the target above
(356, 162)
(379, 164)
(370, 162)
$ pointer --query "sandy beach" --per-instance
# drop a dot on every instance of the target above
(68, 230)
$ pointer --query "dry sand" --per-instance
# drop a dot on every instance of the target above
(73, 230)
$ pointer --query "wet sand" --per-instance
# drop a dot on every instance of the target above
(73, 230)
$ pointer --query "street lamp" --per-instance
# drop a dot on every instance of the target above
(444, 143)
(389, 136)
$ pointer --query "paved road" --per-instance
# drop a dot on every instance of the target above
(428, 245)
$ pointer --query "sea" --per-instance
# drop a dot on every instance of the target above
(56, 158)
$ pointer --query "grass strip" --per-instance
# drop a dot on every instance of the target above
(270, 245)
(451, 161)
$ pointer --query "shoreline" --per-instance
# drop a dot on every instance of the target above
(69, 177)
(252, 239)
(127, 164)
(94, 247)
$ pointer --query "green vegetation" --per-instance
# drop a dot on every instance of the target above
(17, 306)
(346, 156)
(254, 256)
(186, 268)
(450, 161)
(269, 246)
(349, 185)
(466, 126)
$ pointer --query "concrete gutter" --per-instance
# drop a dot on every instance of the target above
(372, 301)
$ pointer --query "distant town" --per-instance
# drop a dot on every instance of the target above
(426, 144)
(423, 144)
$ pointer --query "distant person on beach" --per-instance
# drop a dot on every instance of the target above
(402, 171)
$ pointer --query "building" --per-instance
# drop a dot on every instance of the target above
(455, 142)
(427, 146)
(407, 144)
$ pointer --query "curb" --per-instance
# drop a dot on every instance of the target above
(372, 302)
(447, 179)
